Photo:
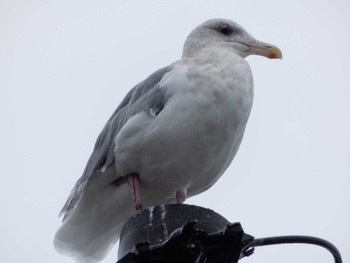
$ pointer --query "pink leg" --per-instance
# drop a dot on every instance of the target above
(180, 196)
(134, 183)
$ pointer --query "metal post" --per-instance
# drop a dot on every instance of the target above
(181, 233)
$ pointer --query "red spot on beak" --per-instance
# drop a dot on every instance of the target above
(272, 55)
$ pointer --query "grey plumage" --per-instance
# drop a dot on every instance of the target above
(144, 97)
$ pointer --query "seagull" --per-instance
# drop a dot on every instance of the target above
(172, 137)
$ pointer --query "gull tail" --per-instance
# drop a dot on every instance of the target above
(93, 226)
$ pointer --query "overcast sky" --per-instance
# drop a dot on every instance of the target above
(66, 65)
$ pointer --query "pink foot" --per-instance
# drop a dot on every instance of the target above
(134, 183)
(180, 196)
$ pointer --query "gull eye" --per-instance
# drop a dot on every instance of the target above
(226, 30)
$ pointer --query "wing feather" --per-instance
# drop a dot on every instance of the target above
(144, 96)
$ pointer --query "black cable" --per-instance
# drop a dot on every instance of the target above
(258, 242)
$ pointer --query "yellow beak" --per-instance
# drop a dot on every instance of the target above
(264, 49)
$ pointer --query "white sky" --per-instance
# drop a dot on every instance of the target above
(66, 65)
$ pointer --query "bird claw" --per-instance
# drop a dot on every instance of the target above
(138, 207)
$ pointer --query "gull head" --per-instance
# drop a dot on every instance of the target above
(223, 33)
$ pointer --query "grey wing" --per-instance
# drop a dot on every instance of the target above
(143, 97)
